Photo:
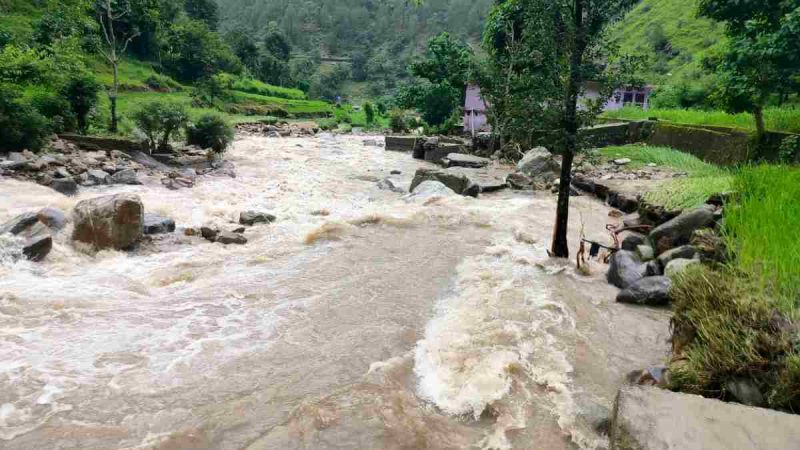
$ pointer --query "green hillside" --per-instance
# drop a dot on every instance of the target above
(672, 37)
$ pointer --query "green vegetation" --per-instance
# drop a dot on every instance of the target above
(777, 119)
(672, 37)
(703, 179)
(765, 208)
(158, 121)
(210, 131)
(735, 321)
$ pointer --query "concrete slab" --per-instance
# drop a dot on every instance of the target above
(649, 418)
(401, 143)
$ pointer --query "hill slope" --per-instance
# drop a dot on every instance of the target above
(672, 36)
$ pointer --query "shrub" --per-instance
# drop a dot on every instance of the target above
(789, 150)
(81, 92)
(369, 112)
(270, 120)
(397, 121)
(162, 83)
(55, 108)
(210, 131)
(21, 126)
(327, 124)
(158, 121)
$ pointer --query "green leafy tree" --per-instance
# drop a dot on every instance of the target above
(763, 54)
(564, 40)
(277, 45)
(245, 48)
(159, 121)
(204, 10)
(192, 52)
(21, 126)
(81, 92)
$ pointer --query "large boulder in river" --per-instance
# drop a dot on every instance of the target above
(625, 269)
(459, 183)
(112, 221)
(37, 240)
(678, 231)
(427, 190)
(539, 164)
(650, 291)
(66, 186)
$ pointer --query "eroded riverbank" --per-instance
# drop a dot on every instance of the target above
(440, 325)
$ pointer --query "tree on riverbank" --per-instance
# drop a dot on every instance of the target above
(566, 45)
(761, 59)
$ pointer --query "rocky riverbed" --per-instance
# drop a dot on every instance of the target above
(354, 316)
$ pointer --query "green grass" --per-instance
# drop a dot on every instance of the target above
(252, 86)
(777, 119)
(761, 229)
(313, 107)
(691, 37)
(703, 180)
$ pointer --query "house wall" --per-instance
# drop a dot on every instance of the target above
(475, 111)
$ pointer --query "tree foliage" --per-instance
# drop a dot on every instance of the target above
(762, 58)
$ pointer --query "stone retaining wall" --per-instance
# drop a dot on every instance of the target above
(103, 143)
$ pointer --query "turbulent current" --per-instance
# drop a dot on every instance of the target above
(359, 320)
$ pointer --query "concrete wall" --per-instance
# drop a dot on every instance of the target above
(103, 143)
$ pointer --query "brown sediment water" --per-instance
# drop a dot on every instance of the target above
(387, 324)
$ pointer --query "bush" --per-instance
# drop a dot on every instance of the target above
(21, 126)
(369, 112)
(327, 124)
(211, 131)
(55, 108)
(397, 121)
(158, 121)
(270, 120)
(789, 150)
(81, 92)
(163, 83)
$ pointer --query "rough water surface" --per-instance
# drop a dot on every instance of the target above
(359, 320)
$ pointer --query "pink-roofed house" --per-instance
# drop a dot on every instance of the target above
(475, 120)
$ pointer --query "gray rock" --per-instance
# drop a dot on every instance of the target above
(678, 231)
(251, 218)
(520, 182)
(127, 176)
(622, 161)
(650, 291)
(539, 163)
(96, 176)
(17, 157)
(459, 183)
(66, 186)
(61, 172)
(682, 252)
(155, 224)
(745, 391)
(645, 252)
(657, 419)
(387, 184)
(625, 269)
(54, 218)
(396, 172)
(429, 189)
(633, 240)
(109, 222)
(631, 220)
(678, 266)
(653, 269)
(464, 160)
(229, 237)
(209, 233)
(627, 203)
(37, 240)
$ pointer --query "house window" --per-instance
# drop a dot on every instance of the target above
(627, 98)
(640, 98)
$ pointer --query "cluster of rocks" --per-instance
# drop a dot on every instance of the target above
(278, 130)
(64, 167)
(115, 222)
(645, 265)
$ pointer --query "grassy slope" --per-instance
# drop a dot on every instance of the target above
(692, 36)
(703, 179)
(778, 119)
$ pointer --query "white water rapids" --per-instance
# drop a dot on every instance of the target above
(356, 321)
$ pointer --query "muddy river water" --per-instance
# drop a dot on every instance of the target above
(359, 320)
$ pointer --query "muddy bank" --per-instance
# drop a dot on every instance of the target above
(401, 324)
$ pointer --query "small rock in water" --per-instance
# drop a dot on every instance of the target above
(209, 233)
(54, 218)
(387, 184)
(155, 224)
(625, 269)
(127, 176)
(36, 236)
(66, 186)
(240, 230)
(396, 172)
(633, 240)
(229, 237)
(429, 189)
(98, 177)
(251, 218)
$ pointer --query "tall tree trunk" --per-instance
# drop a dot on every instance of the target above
(112, 96)
(761, 128)
(560, 247)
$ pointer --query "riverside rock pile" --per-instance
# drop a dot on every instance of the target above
(279, 130)
(646, 264)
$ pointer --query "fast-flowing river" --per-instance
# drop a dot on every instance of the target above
(358, 320)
